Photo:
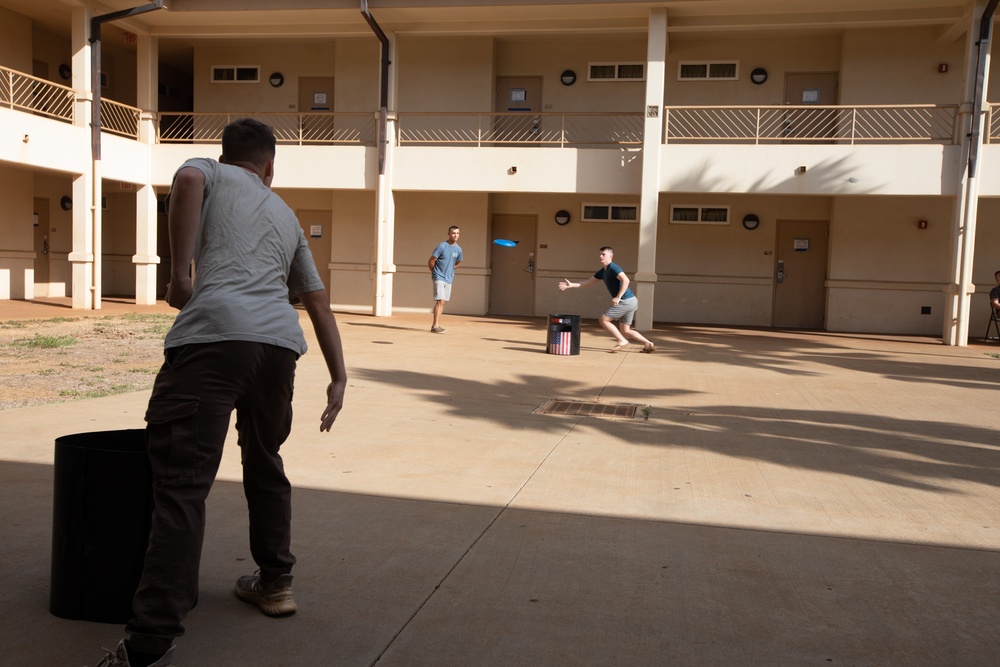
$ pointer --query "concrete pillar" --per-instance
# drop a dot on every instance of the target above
(645, 275)
(81, 257)
(960, 289)
(385, 209)
(146, 259)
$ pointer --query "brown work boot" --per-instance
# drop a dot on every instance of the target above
(274, 598)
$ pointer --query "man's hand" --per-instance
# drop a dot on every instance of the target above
(565, 284)
(334, 403)
(178, 295)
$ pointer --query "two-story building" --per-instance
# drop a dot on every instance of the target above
(769, 163)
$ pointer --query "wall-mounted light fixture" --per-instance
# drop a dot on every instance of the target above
(921, 224)
(277, 79)
(758, 75)
(65, 71)
(562, 217)
(66, 203)
(750, 221)
(568, 77)
(800, 170)
(512, 171)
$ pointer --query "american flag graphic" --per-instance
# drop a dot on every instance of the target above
(560, 342)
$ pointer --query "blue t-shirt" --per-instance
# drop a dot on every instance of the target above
(609, 275)
(447, 255)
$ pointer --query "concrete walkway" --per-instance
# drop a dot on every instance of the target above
(787, 499)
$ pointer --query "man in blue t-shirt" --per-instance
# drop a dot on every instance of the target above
(623, 302)
(443, 262)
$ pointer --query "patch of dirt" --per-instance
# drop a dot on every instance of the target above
(66, 358)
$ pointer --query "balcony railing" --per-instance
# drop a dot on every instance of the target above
(289, 128)
(521, 129)
(119, 118)
(38, 96)
(918, 123)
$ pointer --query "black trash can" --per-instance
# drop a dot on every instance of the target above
(101, 513)
(564, 334)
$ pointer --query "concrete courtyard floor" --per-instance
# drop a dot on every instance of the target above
(788, 498)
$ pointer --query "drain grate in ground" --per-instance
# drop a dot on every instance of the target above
(579, 408)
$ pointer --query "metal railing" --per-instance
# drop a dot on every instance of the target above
(289, 128)
(916, 123)
(521, 129)
(38, 96)
(119, 118)
(992, 124)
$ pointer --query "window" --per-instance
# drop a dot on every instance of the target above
(234, 74)
(616, 72)
(699, 215)
(708, 71)
(610, 213)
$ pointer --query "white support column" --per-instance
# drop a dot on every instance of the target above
(385, 221)
(81, 257)
(645, 275)
(959, 291)
(146, 258)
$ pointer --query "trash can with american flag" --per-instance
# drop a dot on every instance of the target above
(564, 334)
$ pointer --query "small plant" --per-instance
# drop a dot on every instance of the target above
(995, 355)
(645, 412)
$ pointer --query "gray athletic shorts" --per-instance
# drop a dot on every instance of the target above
(442, 290)
(624, 311)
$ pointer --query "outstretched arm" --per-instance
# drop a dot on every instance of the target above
(317, 305)
(186, 197)
(565, 283)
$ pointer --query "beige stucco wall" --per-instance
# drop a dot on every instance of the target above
(907, 67)
(778, 56)
(15, 41)
(293, 59)
(422, 221)
(549, 57)
(444, 74)
(884, 268)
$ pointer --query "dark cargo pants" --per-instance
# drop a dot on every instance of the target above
(188, 416)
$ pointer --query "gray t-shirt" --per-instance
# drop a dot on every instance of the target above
(250, 257)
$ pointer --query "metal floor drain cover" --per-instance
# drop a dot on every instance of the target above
(605, 410)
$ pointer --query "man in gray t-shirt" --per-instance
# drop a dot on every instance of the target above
(233, 347)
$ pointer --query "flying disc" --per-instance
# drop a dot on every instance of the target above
(505, 243)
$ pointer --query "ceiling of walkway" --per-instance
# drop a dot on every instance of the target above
(185, 21)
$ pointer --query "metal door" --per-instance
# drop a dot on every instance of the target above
(518, 103)
(512, 283)
(800, 274)
(810, 89)
(316, 108)
(316, 225)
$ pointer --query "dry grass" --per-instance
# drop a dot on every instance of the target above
(65, 358)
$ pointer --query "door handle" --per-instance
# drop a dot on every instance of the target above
(531, 267)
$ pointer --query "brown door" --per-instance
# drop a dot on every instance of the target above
(800, 274)
(316, 108)
(810, 89)
(512, 283)
(41, 225)
(518, 103)
(317, 227)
